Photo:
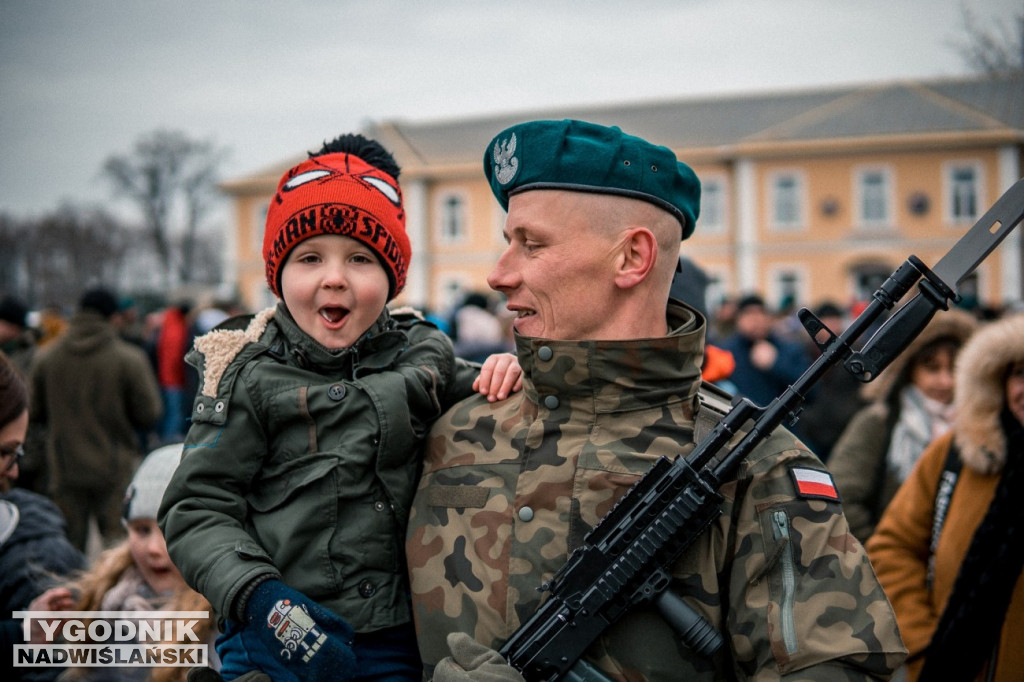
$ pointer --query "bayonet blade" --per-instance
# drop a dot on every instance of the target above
(982, 238)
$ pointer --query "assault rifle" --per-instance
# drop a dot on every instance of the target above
(627, 558)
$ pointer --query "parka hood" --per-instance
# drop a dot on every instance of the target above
(87, 333)
(981, 370)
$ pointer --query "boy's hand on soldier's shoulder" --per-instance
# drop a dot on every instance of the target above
(500, 376)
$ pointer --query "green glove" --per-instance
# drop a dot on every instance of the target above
(473, 662)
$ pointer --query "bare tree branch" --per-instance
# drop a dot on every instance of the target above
(997, 51)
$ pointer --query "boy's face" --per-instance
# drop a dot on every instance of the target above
(335, 288)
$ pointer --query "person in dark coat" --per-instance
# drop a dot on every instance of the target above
(34, 549)
(766, 364)
(93, 393)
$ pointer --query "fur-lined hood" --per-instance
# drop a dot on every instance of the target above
(947, 323)
(981, 370)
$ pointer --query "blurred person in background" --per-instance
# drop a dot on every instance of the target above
(52, 323)
(949, 549)
(477, 331)
(766, 363)
(92, 392)
(17, 340)
(34, 549)
(837, 397)
(911, 405)
(172, 342)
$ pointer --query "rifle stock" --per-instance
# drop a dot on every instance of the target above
(627, 558)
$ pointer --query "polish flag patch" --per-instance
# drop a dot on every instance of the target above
(814, 484)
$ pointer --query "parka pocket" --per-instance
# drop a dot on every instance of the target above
(293, 515)
(274, 490)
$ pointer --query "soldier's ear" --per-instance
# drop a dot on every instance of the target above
(635, 257)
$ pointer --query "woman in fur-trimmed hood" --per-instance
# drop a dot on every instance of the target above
(910, 405)
(959, 598)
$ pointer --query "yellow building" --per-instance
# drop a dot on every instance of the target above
(806, 195)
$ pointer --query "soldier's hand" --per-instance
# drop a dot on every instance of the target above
(473, 662)
(289, 637)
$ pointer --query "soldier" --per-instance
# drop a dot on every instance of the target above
(612, 382)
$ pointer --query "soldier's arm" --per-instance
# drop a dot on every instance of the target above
(803, 595)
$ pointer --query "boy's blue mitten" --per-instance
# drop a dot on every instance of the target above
(290, 637)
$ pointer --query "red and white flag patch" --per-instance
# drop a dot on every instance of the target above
(814, 484)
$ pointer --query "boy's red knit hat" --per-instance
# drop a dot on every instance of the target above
(341, 194)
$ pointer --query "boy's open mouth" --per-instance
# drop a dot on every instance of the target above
(333, 315)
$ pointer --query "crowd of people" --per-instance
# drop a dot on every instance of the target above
(401, 485)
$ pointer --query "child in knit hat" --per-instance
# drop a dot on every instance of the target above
(137, 574)
(289, 508)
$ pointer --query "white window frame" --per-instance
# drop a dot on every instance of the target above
(498, 230)
(799, 200)
(719, 286)
(887, 196)
(708, 223)
(260, 227)
(450, 288)
(461, 233)
(801, 277)
(949, 186)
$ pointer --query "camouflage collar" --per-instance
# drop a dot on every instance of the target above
(608, 376)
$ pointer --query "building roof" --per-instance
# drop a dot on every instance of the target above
(954, 110)
(725, 124)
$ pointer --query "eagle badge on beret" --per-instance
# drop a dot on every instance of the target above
(505, 163)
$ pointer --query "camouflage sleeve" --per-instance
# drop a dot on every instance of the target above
(802, 595)
(784, 581)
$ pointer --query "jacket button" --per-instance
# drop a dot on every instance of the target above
(551, 402)
(336, 392)
(525, 514)
(367, 589)
(378, 505)
(545, 353)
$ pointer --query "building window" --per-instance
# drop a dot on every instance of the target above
(874, 193)
(712, 207)
(453, 218)
(867, 279)
(787, 199)
(787, 289)
(963, 193)
(260, 228)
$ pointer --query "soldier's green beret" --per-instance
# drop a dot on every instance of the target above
(586, 157)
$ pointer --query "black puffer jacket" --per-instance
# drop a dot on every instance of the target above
(33, 557)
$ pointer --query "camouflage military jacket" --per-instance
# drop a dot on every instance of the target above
(301, 463)
(510, 488)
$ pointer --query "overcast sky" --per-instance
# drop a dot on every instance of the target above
(83, 79)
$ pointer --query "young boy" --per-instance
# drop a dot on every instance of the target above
(288, 510)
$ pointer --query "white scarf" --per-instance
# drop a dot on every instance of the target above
(921, 421)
